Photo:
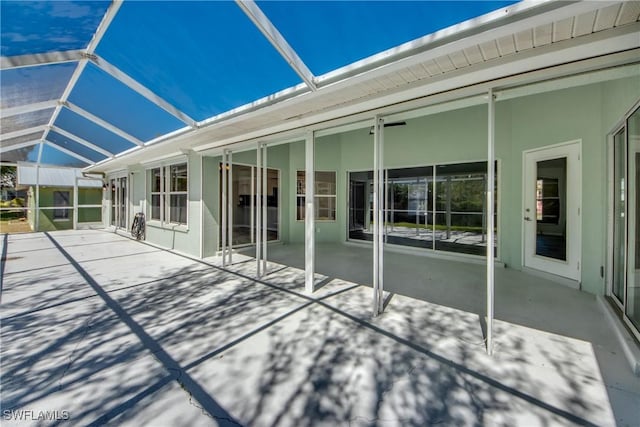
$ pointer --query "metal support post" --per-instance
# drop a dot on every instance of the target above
(490, 219)
(252, 207)
(264, 209)
(378, 209)
(258, 204)
(230, 207)
(223, 208)
(75, 203)
(37, 204)
(383, 206)
(309, 215)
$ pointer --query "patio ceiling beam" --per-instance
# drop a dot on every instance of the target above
(21, 132)
(106, 125)
(70, 152)
(18, 146)
(260, 20)
(136, 86)
(88, 53)
(35, 59)
(82, 141)
(28, 108)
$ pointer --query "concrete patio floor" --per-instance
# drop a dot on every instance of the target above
(109, 331)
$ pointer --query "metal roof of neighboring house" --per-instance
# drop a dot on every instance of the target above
(49, 176)
(107, 84)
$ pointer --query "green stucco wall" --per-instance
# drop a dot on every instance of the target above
(586, 113)
(185, 239)
(86, 196)
(277, 158)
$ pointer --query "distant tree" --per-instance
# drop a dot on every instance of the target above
(8, 177)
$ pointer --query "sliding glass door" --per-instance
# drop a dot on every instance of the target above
(119, 202)
(244, 198)
(625, 255)
(440, 207)
(632, 294)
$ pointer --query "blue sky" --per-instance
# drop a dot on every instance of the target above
(204, 57)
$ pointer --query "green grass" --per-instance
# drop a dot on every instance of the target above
(18, 202)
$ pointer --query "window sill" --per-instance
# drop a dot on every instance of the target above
(183, 228)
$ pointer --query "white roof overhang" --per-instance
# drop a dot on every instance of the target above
(532, 44)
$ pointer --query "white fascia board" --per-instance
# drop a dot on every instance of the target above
(364, 124)
(21, 145)
(134, 85)
(266, 27)
(164, 160)
(438, 108)
(82, 141)
(69, 152)
(631, 70)
(22, 132)
(102, 123)
(588, 53)
(462, 83)
(492, 26)
(28, 108)
(261, 103)
(36, 59)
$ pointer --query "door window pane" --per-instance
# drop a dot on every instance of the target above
(460, 211)
(551, 205)
(244, 197)
(113, 202)
(123, 203)
(178, 208)
(325, 188)
(456, 223)
(61, 200)
(178, 177)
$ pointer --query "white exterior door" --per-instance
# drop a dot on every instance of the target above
(551, 217)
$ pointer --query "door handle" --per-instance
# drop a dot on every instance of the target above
(526, 218)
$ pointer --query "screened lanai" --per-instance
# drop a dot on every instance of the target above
(86, 85)
(457, 178)
(83, 82)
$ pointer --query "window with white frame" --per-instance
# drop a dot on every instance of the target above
(325, 195)
(61, 205)
(168, 193)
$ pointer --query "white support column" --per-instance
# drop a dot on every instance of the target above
(258, 202)
(309, 214)
(490, 219)
(376, 247)
(252, 207)
(434, 210)
(385, 211)
(378, 209)
(223, 208)
(36, 222)
(75, 203)
(383, 207)
(230, 206)
(264, 209)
